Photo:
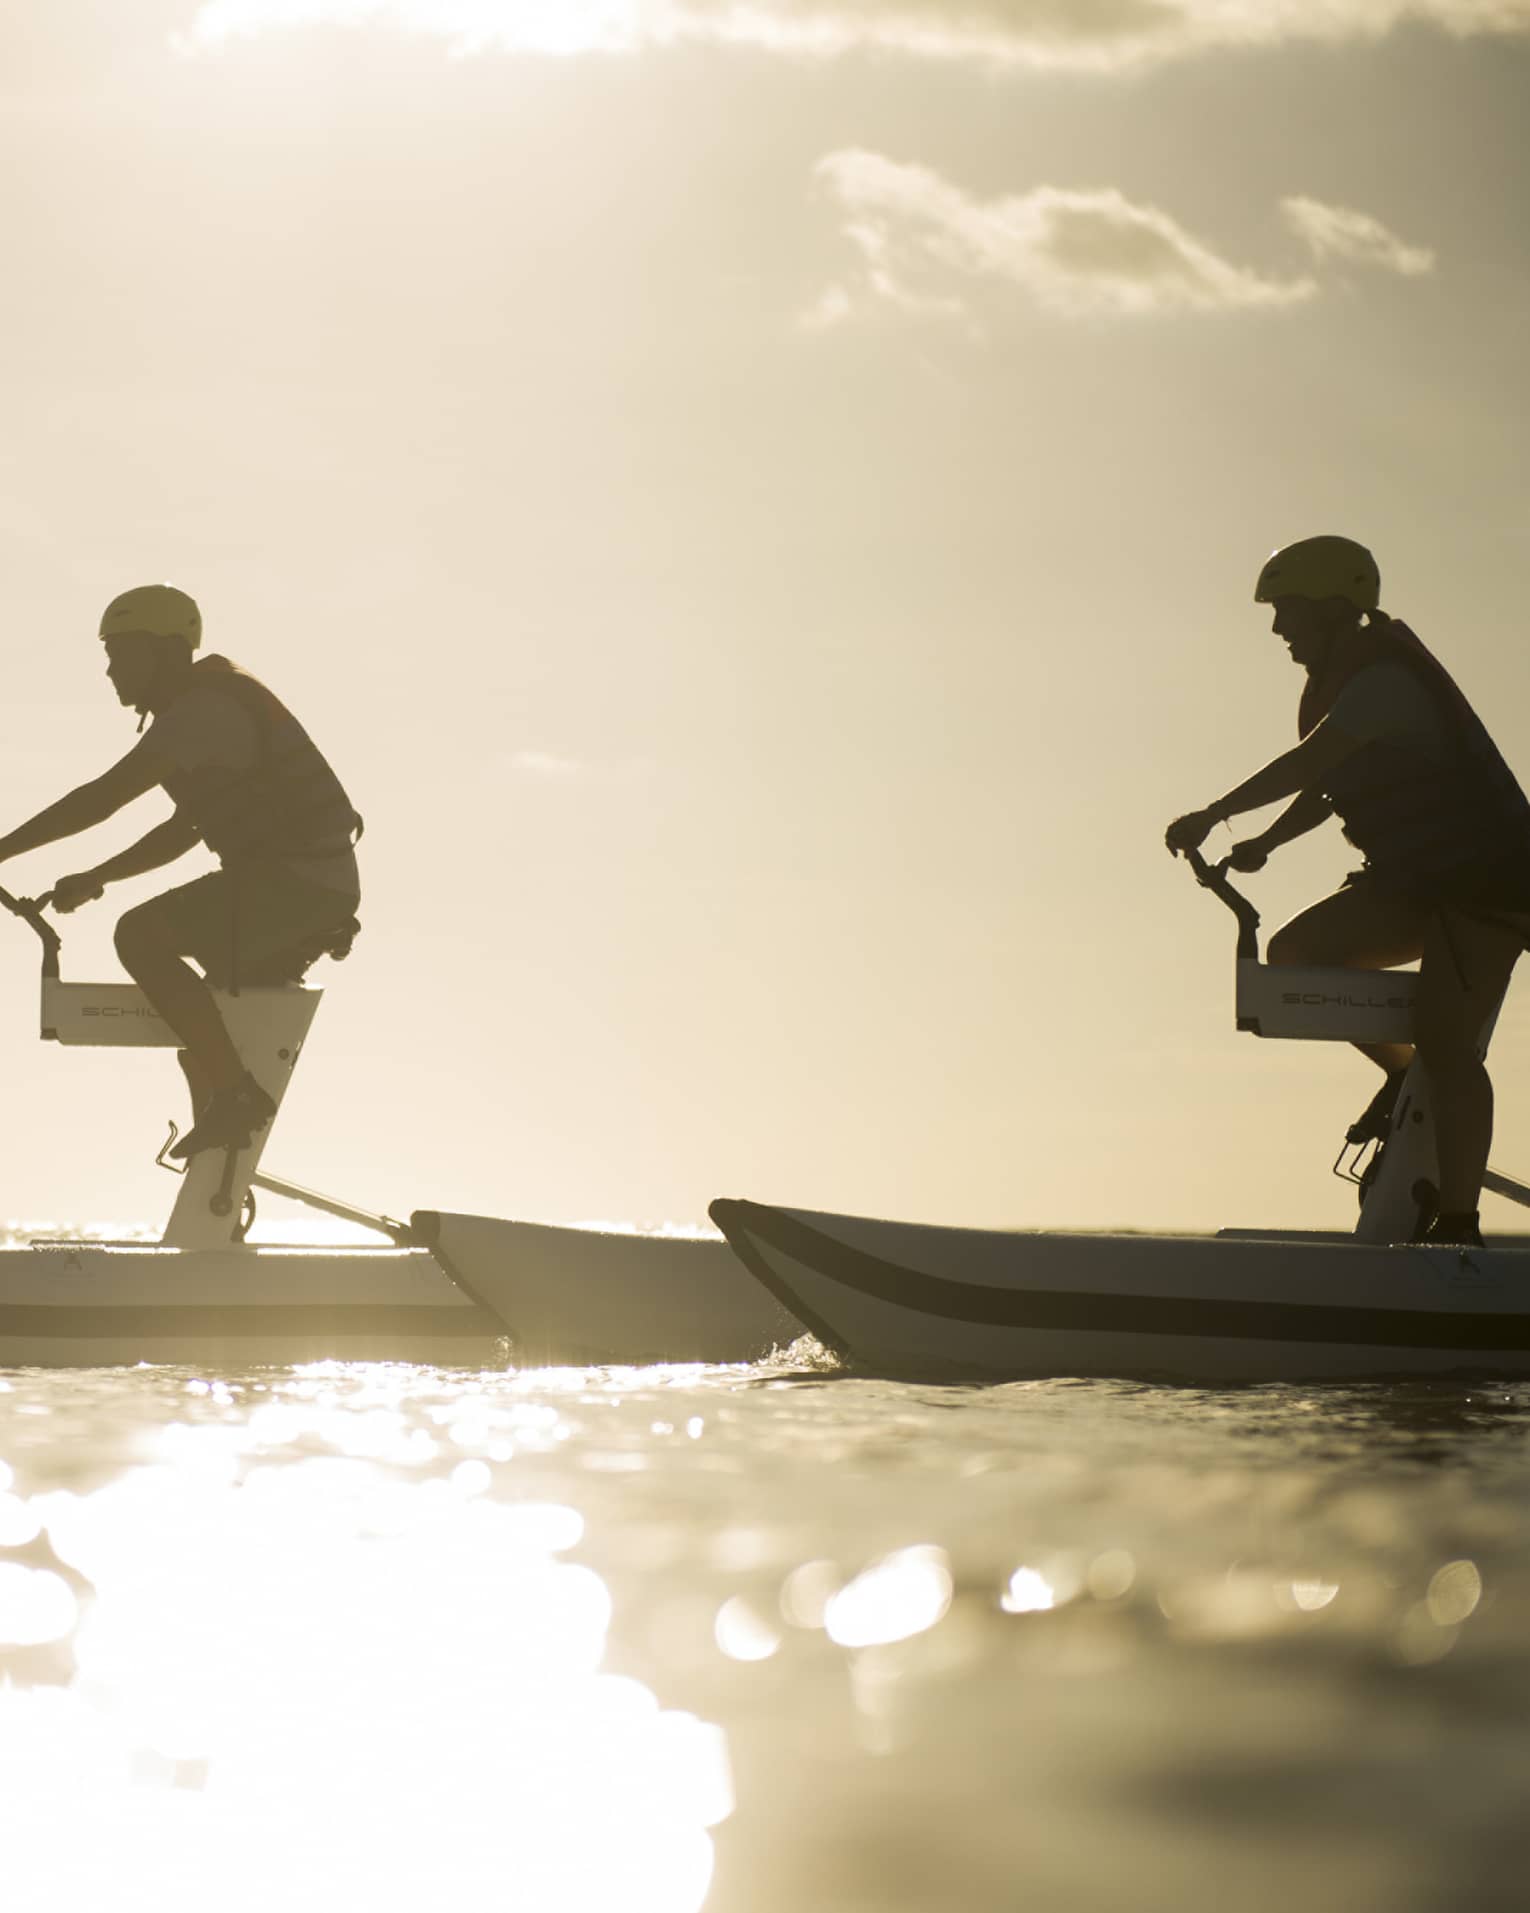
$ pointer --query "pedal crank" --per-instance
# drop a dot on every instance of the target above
(221, 1202)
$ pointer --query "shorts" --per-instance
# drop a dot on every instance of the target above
(1486, 890)
(254, 926)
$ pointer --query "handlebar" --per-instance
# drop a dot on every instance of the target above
(30, 912)
(1213, 877)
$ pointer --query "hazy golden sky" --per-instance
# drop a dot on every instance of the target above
(761, 505)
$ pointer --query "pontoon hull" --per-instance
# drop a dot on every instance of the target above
(90, 1305)
(573, 1296)
(909, 1299)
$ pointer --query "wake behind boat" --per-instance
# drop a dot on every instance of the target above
(912, 1299)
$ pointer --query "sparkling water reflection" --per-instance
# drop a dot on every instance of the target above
(311, 1643)
(363, 1636)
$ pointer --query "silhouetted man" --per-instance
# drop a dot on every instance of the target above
(247, 781)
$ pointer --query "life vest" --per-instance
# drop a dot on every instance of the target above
(1424, 821)
(288, 803)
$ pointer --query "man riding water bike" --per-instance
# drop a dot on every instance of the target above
(247, 781)
(1391, 746)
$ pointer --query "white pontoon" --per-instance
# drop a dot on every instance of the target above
(1245, 1305)
(448, 1289)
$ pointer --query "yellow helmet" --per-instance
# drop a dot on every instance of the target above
(1325, 567)
(160, 610)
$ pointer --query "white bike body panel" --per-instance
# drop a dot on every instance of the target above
(1322, 1004)
(267, 1026)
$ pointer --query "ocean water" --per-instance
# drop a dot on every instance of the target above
(759, 1639)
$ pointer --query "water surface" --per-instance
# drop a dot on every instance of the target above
(759, 1639)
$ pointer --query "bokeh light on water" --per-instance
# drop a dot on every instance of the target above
(317, 1661)
(758, 1640)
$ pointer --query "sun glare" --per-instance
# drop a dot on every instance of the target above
(309, 1640)
(551, 27)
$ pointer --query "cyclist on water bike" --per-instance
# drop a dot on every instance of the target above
(248, 782)
(1389, 744)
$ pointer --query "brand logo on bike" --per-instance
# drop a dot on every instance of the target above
(1323, 999)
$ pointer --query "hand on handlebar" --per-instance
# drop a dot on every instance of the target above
(1190, 831)
(1250, 855)
(70, 892)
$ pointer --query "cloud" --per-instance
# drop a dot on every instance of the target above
(1338, 232)
(922, 242)
(554, 768)
(545, 764)
(1079, 34)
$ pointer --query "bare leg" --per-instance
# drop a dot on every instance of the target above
(1466, 969)
(1359, 928)
(182, 998)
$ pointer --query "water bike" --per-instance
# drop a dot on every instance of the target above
(444, 1288)
(1242, 1305)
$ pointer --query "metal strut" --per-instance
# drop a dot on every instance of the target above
(399, 1232)
(221, 1201)
(1507, 1187)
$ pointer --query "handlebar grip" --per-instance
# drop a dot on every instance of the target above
(1213, 877)
(30, 911)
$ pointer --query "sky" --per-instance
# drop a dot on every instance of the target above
(761, 504)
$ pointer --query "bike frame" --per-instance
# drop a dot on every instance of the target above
(1324, 1004)
(267, 1027)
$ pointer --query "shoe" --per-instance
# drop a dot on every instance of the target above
(1457, 1230)
(232, 1117)
(1374, 1123)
